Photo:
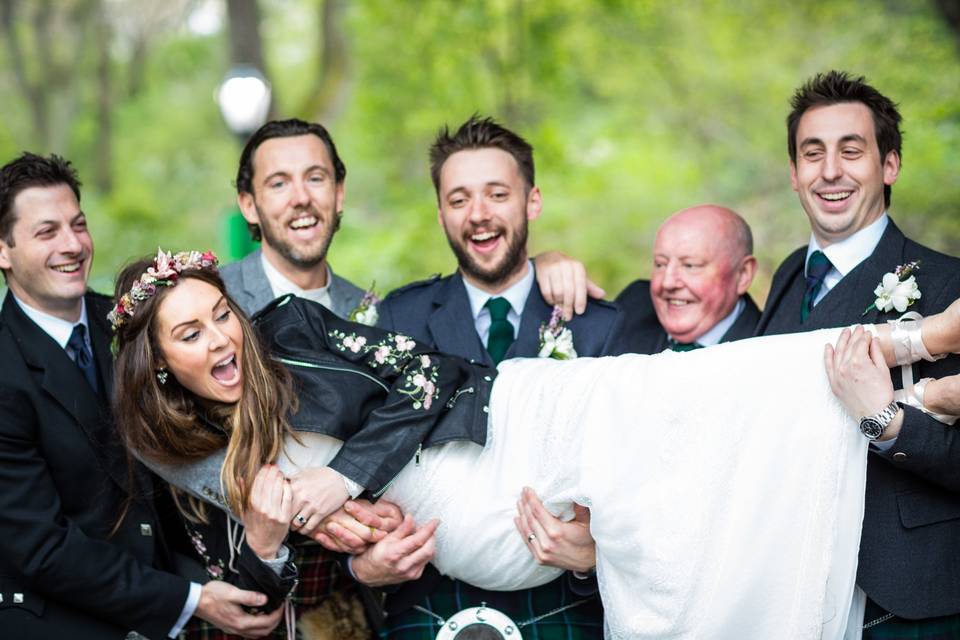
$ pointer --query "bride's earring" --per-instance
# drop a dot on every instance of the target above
(162, 375)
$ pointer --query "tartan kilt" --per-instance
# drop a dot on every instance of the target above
(320, 576)
(945, 628)
(583, 621)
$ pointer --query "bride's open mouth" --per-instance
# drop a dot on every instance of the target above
(226, 372)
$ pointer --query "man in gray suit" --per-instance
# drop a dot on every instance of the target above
(290, 187)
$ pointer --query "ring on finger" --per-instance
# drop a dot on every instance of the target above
(531, 538)
(300, 519)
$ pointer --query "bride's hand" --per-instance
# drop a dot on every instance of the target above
(943, 395)
(567, 545)
(943, 329)
(317, 492)
(859, 376)
(357, 525)
(267, 516)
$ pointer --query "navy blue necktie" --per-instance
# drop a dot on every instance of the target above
(818, 266)
(82, 355)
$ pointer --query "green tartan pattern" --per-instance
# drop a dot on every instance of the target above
(582, 622)
(946, 628)
(320, 576)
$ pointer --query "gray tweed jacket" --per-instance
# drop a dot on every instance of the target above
(248, 285)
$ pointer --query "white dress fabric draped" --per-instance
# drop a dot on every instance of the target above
(725, 485)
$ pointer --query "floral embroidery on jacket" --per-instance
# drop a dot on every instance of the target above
(419, 372)
(215, 568)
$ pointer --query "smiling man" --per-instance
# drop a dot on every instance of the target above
(77, 555)
(844, 142)
(697, 294)
(487, 311)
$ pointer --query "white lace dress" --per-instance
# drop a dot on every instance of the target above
(725, 485)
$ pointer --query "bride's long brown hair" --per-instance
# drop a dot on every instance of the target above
(169, 424)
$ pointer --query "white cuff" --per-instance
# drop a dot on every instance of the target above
(189, 607)
(276, 564)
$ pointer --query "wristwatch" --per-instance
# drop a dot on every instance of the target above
(873, 426)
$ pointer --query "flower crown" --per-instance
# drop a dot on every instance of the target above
(164, 272)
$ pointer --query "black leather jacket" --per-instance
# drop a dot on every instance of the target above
(381, 393)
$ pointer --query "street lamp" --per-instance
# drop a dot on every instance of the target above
(244, 100)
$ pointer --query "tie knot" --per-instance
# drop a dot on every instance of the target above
(77, 341)
(818, 265)
(498, 307)
(684, 346)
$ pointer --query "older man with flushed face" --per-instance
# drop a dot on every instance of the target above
(697, 293)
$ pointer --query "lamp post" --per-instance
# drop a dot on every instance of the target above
(244, 99)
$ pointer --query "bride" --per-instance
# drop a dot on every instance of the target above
(733, 510)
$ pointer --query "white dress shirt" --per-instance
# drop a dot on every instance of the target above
(715, 334)
(516, 295)
(846, 254)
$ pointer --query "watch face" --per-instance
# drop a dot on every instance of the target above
(870, 428)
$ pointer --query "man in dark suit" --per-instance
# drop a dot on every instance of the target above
(844, 143)
(697, 296)
(290, 188)
(489, 310)
(70, 565)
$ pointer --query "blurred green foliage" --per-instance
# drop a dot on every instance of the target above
(635, 109)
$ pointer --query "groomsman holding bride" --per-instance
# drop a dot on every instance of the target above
(858, 267)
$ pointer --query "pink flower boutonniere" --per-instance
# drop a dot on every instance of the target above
(366, 312)
(898, 289)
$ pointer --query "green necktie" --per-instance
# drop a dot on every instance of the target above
(501, 331)
(818, 266)
(684, 346)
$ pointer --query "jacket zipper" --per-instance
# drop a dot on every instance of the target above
(452, 401)
(325, 367)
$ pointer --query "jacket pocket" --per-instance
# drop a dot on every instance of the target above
(15, 597)
(919, 508)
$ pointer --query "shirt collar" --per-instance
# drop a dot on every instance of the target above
(849, 252)
(281, 285)
(57, 328)
(516, 294)
(716, 333)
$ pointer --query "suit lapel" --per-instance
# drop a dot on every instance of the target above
(343, 298)
(254, 281)
(536, 312)
(790, 272)
(62, 381)
(848, 299)
(451, 323)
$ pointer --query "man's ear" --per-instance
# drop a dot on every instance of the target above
(341, 193)
(891, 168)
(793, 175)
(534, 203)
(248, 207)
(746, 272)
(5, 255)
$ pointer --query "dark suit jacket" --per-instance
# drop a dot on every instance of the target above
(437, 312)
(910, 546)
(641, 331)
(63, 479)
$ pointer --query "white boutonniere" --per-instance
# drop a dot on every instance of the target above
(556, 340)
(366, 311)
(898, 289)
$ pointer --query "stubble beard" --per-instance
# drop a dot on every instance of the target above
(303, 259)
(498, 273)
